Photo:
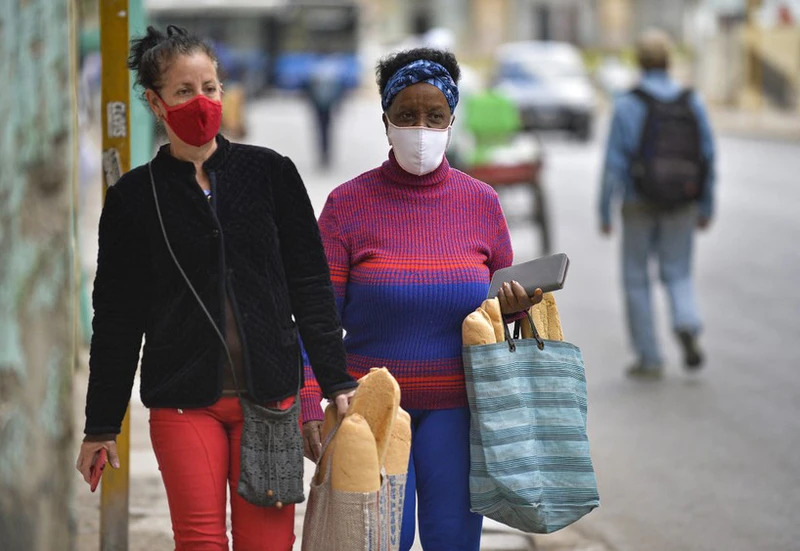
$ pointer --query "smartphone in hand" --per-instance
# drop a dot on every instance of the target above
(96, 470)
(546, 273)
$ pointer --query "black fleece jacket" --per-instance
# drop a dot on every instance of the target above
(257, 241)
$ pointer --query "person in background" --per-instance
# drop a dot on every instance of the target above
(236, 217)
(412, 245)
(658, 221)
(325, 90)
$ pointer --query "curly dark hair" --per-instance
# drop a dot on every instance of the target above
(151, 54)
(389, 65)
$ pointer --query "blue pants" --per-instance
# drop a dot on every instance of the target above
(438, 483)
(669, 238)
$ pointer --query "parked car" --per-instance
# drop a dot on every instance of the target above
(549, 84)
(614, 76)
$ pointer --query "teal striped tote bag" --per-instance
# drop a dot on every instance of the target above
(530, 466)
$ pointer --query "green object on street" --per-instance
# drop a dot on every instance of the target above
(493, 119)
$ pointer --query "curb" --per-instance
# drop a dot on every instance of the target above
(765, 124)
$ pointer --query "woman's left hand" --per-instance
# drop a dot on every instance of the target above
(513, 298)
(342, 402)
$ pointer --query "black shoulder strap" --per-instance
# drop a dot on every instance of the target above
(640, 93)
(685, 95)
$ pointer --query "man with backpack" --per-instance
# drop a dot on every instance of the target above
(660, 161)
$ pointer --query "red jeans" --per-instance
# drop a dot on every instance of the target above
(198, 456)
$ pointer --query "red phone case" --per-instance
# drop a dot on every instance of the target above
(96, 470)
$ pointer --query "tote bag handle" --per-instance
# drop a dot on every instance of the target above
(517, 325)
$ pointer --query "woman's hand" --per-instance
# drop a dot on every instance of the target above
(513, 298)
(312, 430)
(342, 402)
(88, 454)
(312, 440)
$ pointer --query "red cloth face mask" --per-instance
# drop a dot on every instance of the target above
(196, 121)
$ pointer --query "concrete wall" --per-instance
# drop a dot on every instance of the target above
(36, 274)
(752, 68)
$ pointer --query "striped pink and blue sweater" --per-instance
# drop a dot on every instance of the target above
(410, 257)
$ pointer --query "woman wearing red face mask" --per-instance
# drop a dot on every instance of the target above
(211, 252)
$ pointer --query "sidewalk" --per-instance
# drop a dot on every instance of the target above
(149, 524)
(767, 124)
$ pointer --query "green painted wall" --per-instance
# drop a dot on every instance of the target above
(36, 274)
(141, 119)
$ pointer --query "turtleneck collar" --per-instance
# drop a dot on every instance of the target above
(211, 164)
(394, 172)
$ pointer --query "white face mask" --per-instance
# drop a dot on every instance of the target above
(418, 149)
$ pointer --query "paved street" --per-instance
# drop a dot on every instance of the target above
(707, 462)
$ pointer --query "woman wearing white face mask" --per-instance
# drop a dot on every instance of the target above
(412, 246)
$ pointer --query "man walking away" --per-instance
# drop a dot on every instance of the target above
(660, 162)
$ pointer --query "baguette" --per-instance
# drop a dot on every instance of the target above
(538, 314)
(400, 444)
(556, 332)
(377, 399)
(545, 317)
(492, 307)
(477, 329)
(355, 466)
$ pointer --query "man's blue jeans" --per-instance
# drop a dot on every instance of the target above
(667, 237)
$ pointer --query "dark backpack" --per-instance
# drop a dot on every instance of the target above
(668, 169)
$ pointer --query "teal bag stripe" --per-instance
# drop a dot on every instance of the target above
(522, 465)
(549, 369)
(512, 435)
(530, 464)
(539, 399)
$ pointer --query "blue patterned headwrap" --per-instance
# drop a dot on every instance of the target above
(421, 70)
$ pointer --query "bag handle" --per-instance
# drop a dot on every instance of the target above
(328, 440)
(511, 346)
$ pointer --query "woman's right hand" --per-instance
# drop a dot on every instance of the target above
(312, 440)
(88, 452)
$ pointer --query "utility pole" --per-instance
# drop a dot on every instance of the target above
(38, 153)
(115, 108)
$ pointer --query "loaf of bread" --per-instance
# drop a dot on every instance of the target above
(355, 466)
(477, 329)
(554, 331)
(545, 317)
(538, 314)
(377, 399)
(399, 444)
(492, 307)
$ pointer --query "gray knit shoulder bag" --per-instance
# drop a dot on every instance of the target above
(271, 463)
